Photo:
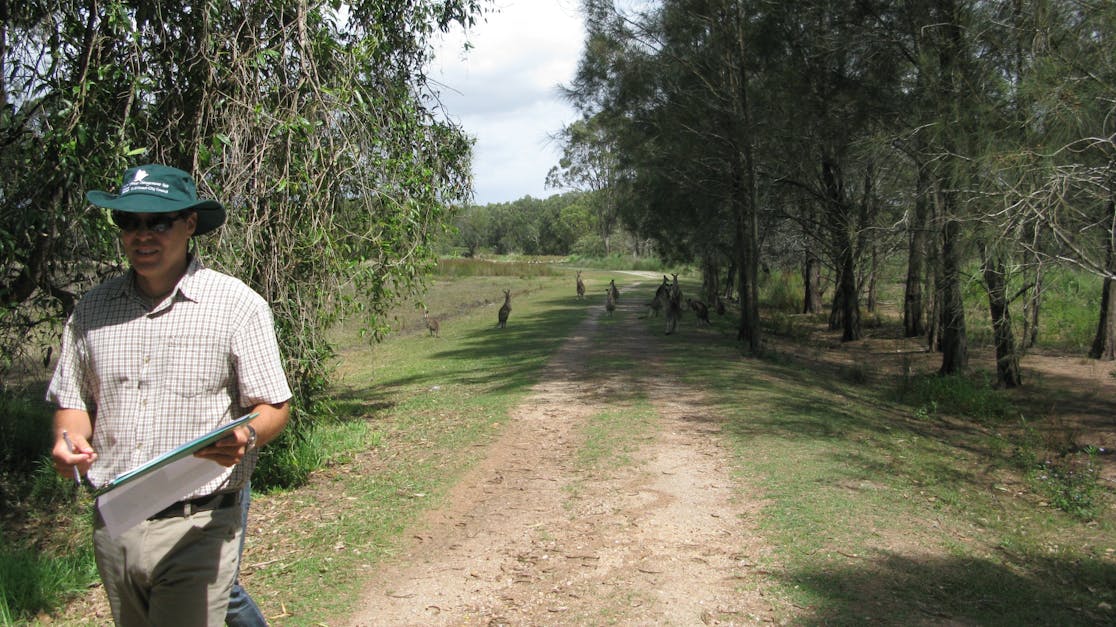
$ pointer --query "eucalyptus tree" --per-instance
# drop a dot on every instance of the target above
(588, 164)
(311, 119)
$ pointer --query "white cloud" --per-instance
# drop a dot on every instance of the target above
(504, 92)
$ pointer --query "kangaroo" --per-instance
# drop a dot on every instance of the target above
(505, 310)
(701, 309)
(720, 306)
(612, 289)
(610, 302)
(580, 286)
(659, 301)
(431, 324)
(673, 306)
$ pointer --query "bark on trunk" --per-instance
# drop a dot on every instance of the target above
(955, 353)
(811, 279)
(1104, 344)
(1007, 358)
(1031, 309)
(914, 323)
(846, 305)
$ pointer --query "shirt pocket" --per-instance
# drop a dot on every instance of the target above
(196, 365)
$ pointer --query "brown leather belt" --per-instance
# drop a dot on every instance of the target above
(180, 509)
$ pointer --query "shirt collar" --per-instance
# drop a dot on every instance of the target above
(187, 285)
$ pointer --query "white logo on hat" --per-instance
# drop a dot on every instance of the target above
(140, 175)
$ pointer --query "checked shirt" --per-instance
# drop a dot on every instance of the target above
(153, 378)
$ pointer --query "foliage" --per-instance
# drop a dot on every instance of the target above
(589, 163)
(316, 130)
(782, 290)
(24, 432)
(528, 226)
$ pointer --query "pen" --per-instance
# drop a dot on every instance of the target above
(69, 443)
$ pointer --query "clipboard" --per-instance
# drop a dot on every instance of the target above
(189, 448)
(132, 496)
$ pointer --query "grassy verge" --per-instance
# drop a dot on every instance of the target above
(883, 514)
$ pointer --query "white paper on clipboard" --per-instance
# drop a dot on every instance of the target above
(137, 494)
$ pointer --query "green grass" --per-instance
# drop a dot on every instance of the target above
(878, 515)
(32, 580)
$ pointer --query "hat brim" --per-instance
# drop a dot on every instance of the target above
(211, 214)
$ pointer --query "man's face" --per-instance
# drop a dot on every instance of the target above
(155, 243)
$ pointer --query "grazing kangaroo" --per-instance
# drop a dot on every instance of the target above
(701, 309)
(432, 324)
(659, 301)
(505, 310)
(612, 290)
(673, 306)
(610, 302)
(580, 286)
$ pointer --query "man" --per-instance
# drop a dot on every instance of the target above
(149, 361)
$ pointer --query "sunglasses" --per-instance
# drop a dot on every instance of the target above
(158, 223)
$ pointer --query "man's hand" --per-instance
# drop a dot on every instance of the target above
(228, 451)
(79, 428)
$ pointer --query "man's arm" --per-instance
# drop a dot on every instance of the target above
(230, 450)
(79, 428)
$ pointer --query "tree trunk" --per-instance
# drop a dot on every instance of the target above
(950, 99)
(873, 273)
(850, 307)
(811, 279)
(710, 281)
(745, 196)
(1031, 308)
(846, 305)
(914, 308)
(955, 353)
(1007, 358)
(1104, 344)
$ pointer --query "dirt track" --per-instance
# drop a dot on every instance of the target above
(530, 537)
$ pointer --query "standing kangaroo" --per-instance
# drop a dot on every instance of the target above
(701, 309)
(505, 310)
(580, 286)
(673, 306)
(659, 301)
(612, 290)
(610, 302)
(431, 324)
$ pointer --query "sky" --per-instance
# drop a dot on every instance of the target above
(505, 92)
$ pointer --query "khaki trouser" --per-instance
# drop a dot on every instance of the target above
(172, 571)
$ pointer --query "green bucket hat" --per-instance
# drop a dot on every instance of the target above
(155, 188)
